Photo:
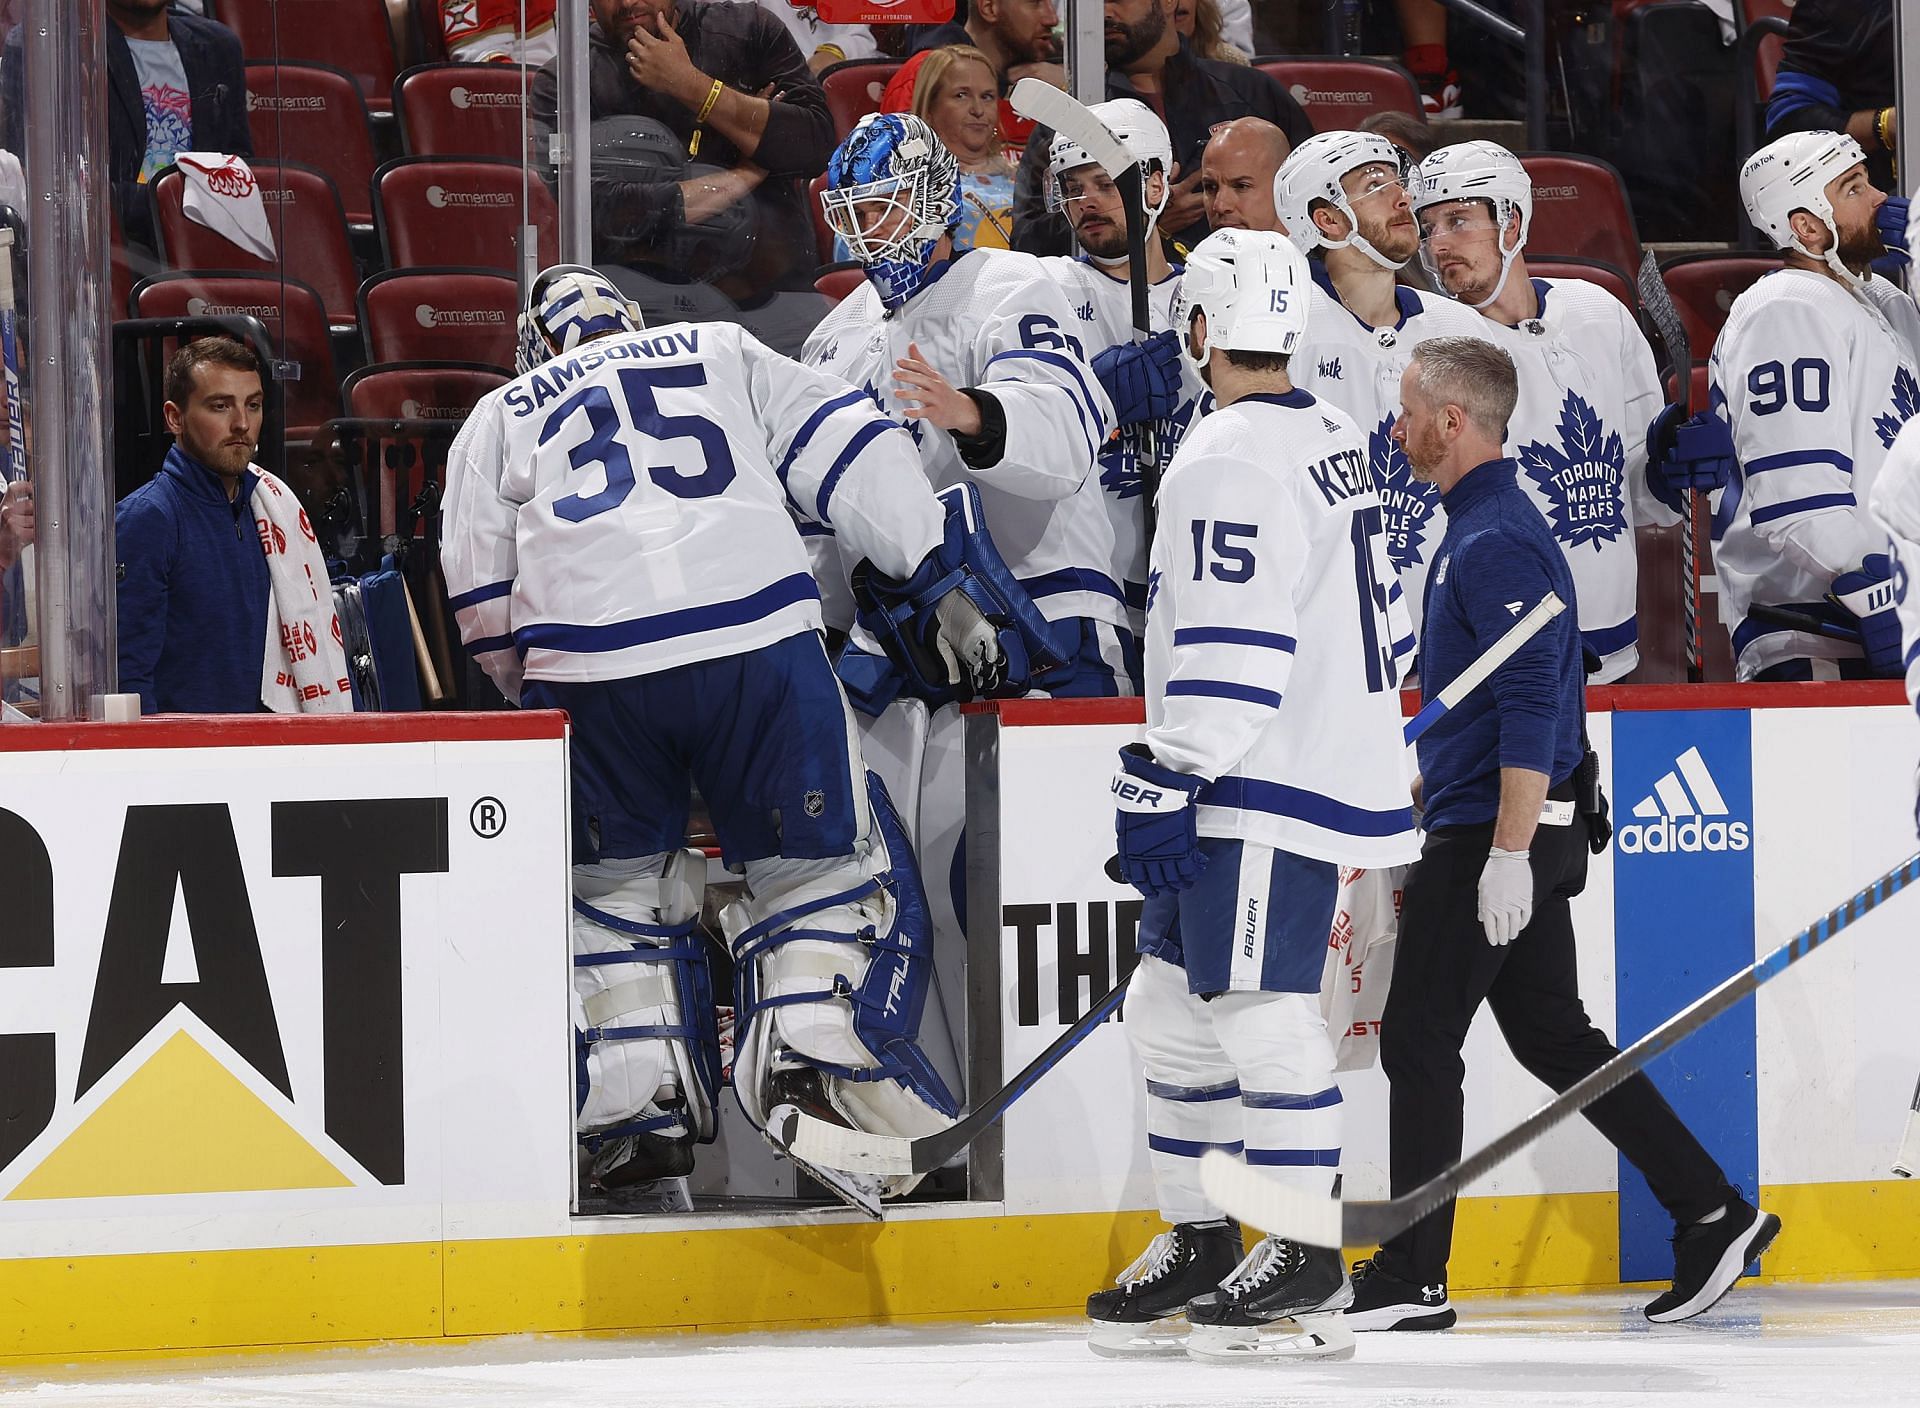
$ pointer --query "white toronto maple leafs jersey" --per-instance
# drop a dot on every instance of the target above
(1357, 368)
(1588, 391)
(995, 321)
(1816, 381)
(1896, 503)
(1277, 635)
(1102, 318)
(631, 506)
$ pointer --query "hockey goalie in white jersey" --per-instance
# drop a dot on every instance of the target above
(1272, 756)
(620, 543)
(1817, 369)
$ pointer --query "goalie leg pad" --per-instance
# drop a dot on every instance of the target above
(1193, 1090)
(647, 1043)
(902, 616)
(832, 962)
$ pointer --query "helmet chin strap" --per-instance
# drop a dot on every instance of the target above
(1356, 240)
(1831, 258)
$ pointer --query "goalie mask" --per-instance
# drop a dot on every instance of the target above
(1317, 171)
(1792, 174)
(1252, 285)
(1145, 138)
(1483, 171)
(892, 191)
(570, 304)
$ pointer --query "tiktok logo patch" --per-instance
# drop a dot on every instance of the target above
(1409, 503)
(1582, 478)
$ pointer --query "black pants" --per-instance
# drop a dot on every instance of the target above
(1443, 969)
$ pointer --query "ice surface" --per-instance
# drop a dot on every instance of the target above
(1804, 1346)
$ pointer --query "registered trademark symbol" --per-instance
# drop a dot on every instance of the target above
(488, 818)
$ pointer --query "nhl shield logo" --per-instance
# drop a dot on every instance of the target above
(815, 802)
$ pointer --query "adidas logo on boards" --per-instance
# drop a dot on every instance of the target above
(1678, 816)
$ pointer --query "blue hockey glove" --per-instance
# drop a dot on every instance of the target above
(1142, 379)
(1891, 218)
(1867, 593)
(1153, 824)
(1695, 453)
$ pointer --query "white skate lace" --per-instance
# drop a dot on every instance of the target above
(1270, 1257)
(1152, 1263)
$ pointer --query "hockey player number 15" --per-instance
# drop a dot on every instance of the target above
(1369, 527)
(605, 445)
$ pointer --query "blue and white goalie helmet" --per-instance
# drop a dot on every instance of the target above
(570, 304)
(893, 189)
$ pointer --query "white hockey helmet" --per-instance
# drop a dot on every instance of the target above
(1144, 136)
(1252, 285)
(570, 304)
(1477, 170)
(1793, 173)
(1316, 171)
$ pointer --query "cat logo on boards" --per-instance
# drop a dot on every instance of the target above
(184, 1083)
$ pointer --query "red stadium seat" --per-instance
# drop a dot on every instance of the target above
(822, 234)
(1580, 210)
(461, 110)
(1614, 281)
(440, 315)
(313, 114)
(1704, 287)
(436, 391)
(349, 34)
(854, 89)
(1338, 94)
(298, 327)
(309, 226)
(839, 280)
(463, 211)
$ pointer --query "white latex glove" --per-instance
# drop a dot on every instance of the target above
(1506, 895)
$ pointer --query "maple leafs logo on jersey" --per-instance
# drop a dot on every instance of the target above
(1582, 478)
(1409, 503)
(912, 426)
(1120, 464)
(1906, 403)
(1153, 588)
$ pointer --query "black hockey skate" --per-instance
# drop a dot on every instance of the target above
(1144, 1313)
(804, 1088)
(643, 1172)
(1293, 1291)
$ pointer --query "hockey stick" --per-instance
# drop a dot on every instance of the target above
(815, 1141)
(1800, 621)
(1907, 1162)
(10, 363)
(1040, 101)
(1658, 302)
(1322, 1221)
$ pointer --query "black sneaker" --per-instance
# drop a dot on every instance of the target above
(1708, 1258)
(1382, 1301)
(1179, 1264)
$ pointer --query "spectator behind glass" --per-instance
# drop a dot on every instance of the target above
(1148, 60)
(959, 98)
(1217, 30)
(1837, 75)
(488, 31)
(178, 84)
(1019, 41)
(824, 44)
(707, 123)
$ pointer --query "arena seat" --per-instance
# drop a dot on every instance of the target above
(292, 314)
(461, 211)
(836, 281)
(854, 88)
(1337, 94)
(314, 114)
(1704, 287)
(461, 110)
(309, 227)
(440, 315)
(1594, 271)
(1580, 210)
(435, 391)
(353, 35)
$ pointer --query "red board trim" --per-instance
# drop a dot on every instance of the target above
(277, 730)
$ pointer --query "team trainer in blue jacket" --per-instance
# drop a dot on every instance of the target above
(193, 580)
(1486, 915)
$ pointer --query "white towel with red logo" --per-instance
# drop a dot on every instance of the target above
(224, 195)
(306, 663)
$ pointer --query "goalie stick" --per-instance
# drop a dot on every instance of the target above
(1658, 302)
(1321, 1221)
(815, 1141)
(1041, 102)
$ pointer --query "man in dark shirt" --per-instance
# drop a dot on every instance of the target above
(1837, 75)
(728, 123)
(1148, 60)
(1486, 915)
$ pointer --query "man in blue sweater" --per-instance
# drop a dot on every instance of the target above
(1487, 916)
(193, 580)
